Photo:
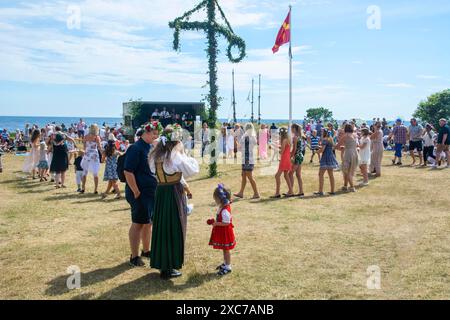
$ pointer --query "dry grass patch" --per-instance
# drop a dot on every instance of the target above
(312, 248)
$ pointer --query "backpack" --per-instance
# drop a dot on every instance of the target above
(121, 168)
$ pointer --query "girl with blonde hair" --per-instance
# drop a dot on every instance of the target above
(91, 159)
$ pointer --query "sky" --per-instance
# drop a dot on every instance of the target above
(361, 59)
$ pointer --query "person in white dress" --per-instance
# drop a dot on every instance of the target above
(230, 143)
(91, 159)
(32, 161)
(365, 154)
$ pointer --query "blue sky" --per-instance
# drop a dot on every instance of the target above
(123, 50)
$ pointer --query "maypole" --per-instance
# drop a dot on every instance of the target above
(213, 30)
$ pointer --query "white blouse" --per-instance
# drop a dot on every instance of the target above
(226, 215)
(178, 162)
(428, 141)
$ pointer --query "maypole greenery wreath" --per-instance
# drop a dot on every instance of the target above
(213, 30)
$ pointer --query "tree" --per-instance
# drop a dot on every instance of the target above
(436, 107)
(139, 114)
(212, 29)
(319, 114)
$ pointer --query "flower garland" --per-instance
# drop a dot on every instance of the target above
(213, 31)
(175, 135)
(151, 126)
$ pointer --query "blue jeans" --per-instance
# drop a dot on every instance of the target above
(398, 150)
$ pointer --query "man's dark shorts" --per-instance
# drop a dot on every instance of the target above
(415, 145)
(141, 208)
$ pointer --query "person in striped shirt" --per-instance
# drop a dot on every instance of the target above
(314, 145)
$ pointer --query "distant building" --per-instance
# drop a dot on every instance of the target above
(192, 109)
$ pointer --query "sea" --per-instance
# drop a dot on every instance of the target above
(12, 123)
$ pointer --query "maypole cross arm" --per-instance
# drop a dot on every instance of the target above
(183, 23)
(213, 30)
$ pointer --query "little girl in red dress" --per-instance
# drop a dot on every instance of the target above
(222, 237)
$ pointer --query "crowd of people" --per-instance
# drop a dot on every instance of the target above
(165, 117)
(155, 168)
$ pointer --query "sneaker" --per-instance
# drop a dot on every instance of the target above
(79, 190)
(224, 272)
(146, 254)
(166, 275)
(136, 262)
(221, 266)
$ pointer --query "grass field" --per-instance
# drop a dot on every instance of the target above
(311, 248)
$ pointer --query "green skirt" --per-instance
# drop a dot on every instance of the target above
(167, 238)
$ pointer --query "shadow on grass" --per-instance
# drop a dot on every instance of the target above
(307, 197)
(120, 210)
(58, 286)
(150, 284)
(71, 196)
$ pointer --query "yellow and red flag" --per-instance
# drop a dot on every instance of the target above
(284, 35)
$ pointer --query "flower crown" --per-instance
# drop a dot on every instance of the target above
(155, 125)
(175, 135)
(283, 130)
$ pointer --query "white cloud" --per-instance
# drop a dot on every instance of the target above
(399, 85)
(111, 47)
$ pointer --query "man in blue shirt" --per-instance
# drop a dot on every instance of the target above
(140, 193)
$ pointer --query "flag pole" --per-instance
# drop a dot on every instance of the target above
(290, 69)
(259, 102)
(253, 115)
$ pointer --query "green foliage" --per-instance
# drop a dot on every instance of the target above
(139, 114)
(213, 30)
(436, 107)
(321, 113)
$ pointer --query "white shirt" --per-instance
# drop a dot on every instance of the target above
(226, 215)
(112, 137)
(165, 114)
(205, 135)
(178, 162)
(155, 114)
(428, 142)
(251, 146)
